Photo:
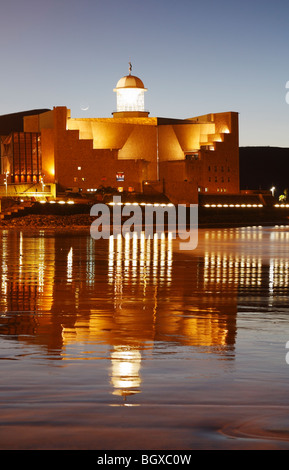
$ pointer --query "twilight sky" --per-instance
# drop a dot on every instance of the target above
(195, 57)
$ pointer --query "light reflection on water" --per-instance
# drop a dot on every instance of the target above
(132, 321)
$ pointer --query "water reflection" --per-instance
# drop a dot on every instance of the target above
(70, 294)
(248, 258)
(125, 373)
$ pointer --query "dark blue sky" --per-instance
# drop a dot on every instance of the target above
(194, 58)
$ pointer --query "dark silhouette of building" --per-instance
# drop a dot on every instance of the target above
(261, 168)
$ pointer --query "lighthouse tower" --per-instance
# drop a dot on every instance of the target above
(130, 92)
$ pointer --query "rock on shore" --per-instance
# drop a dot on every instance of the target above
(48, 221)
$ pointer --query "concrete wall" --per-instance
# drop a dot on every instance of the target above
(215, 170)
(133, 138)
(79, 164)
(221, 166)
(177, 187)
(87, 153)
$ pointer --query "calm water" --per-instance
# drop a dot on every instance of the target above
(132, 344)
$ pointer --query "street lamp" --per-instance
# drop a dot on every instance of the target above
(6, 181)
(42, 182)
(273, 189)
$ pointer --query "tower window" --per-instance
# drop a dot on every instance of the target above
(130, 99)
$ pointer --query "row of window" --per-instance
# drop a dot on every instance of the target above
(215, 168)
(219, 190)
(75, 179)
(26, 162)
(222, 180)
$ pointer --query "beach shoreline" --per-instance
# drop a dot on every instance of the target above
(83, 222)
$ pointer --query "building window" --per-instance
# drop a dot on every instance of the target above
(79, 168)
(24, 152)
(192, 156)
(75, 179)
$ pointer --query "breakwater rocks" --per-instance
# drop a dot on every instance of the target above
(31, 221)
(207, 218)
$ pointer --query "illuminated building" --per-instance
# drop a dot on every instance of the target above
(130, 151)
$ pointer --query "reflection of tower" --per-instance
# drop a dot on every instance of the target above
(130, 96)
(125, 374)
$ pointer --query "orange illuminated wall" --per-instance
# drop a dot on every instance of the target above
(200, 155)
(187, 157)
(75, 162)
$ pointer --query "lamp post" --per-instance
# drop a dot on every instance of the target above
(6, 181)
(42, 183)
(273, 189)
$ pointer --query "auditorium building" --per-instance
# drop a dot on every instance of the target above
(49, 152)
